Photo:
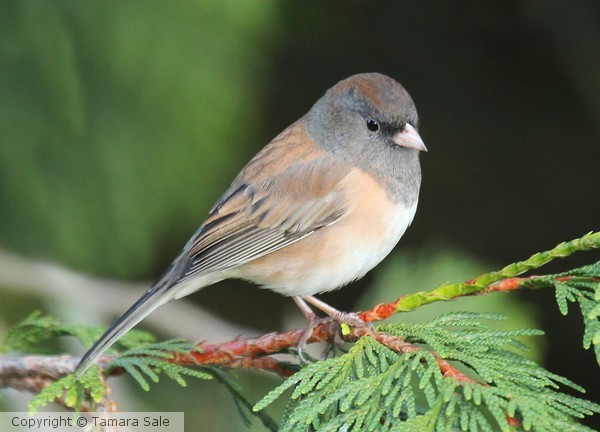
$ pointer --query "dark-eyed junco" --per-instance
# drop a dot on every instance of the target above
(317, 208)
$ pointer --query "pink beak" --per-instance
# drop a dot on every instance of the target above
(409, 137)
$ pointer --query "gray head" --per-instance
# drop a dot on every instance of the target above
(371, 122)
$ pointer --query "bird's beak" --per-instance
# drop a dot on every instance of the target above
(409, 137)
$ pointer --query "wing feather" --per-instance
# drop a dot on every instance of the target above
(251, 221)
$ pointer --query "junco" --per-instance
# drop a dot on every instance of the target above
(317, 208)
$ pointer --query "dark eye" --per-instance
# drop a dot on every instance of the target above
(372, 125)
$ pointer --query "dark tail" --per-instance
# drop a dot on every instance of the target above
(140, 309)
(153, 298)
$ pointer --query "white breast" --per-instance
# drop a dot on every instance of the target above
(352, 249)
(360, 254)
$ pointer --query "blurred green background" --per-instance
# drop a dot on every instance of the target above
(122, 122)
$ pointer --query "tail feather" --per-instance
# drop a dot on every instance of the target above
(160, 293)
(140, 309)
(169, 286)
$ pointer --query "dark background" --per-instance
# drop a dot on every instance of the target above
(122, 122)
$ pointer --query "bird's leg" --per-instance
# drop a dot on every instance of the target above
(342, 317)
(313, 322)
(306, 310)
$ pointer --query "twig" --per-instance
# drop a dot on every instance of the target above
(225, 354)
(480, 284)
(34, 373)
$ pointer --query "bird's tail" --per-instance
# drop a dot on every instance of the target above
(140, 309)
(160, 293)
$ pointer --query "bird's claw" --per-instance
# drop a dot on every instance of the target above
(337, 341)
(313, 322)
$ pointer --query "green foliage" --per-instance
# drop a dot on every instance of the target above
(33, 334)
(375, 388)
(143, 359)
(148, 361)
(89, 388)
(27, 334)
(581, 286)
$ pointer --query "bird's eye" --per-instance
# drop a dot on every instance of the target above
(372, 125)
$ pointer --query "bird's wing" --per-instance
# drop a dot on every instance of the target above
(253, 220)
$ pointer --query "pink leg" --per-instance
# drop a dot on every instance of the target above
(342, 317)
(313, 322)
(306, 310)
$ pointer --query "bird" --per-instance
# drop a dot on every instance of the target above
(317, 208)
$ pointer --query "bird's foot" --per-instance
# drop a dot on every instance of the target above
(337, 340)
(335, 316)
(313, 322)
(335, 343)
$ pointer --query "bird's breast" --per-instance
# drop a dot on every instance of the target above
(342, 252)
